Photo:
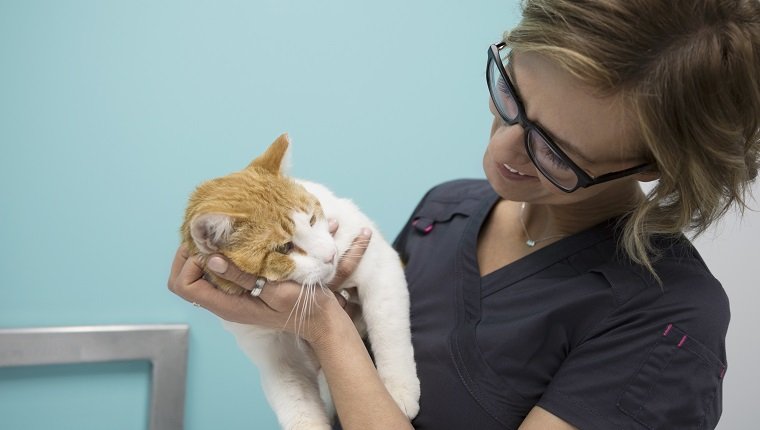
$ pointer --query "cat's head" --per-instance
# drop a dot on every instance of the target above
(263, 221)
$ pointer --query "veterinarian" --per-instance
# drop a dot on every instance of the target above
(556, 294)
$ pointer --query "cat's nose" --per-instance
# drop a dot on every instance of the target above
(330, 256)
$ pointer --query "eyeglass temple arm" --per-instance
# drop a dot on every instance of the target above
(616, 175)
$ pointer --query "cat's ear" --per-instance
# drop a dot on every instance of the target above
(276, 158)
(211, 231)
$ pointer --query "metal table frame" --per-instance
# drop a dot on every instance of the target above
(165, 346)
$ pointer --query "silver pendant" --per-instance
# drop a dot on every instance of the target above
(530, 242)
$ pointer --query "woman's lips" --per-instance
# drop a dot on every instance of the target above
(513, 170)
(508, 172)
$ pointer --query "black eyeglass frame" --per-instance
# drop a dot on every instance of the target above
(584, 179)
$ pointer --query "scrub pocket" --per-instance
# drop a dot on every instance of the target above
(677, 387)
(436, 212)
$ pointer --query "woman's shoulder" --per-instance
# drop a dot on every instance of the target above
(686, 295)
(679, 267)
(656, 353)
(694, 292)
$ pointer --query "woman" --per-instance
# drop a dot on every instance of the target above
(556, 295)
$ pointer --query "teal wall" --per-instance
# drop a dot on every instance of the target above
(110, 114)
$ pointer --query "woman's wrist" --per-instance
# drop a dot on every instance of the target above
(336, 327)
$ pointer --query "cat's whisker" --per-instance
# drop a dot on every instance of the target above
(360, 244)
(351, 256)
(354, 251)
(312, 291)
(308, 304)
(316, 302)
(357, 248)
(313, 296)
(298, 309)
(307, 287)
(324, 288)
(294, 311)
(305, 307)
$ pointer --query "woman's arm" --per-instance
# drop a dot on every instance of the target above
(359, 395)
(541, 419)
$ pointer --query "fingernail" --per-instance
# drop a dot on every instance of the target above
(366, 232)
(217, 264)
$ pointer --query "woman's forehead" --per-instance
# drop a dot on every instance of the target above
(598, 128)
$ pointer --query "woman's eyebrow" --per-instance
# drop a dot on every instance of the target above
(566, 146)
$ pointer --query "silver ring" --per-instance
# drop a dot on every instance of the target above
(344, 293)
(260, 282)
(196, 305)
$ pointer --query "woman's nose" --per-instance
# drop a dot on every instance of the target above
(511, 135)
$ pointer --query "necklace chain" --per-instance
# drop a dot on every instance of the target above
(532, 242)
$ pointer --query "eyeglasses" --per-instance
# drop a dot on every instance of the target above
(550, 160)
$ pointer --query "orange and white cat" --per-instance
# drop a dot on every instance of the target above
(274, 226)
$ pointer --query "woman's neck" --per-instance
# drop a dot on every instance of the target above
(544, 220)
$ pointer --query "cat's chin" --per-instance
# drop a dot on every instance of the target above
(330, 275)
(322, 279)
(316, 275)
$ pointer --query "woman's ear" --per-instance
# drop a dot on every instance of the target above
(648, 175)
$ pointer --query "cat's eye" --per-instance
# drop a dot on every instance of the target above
(313, 220)
(285, 248)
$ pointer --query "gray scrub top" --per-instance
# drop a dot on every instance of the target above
(572, 327)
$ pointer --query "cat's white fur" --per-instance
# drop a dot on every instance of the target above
(289, 371)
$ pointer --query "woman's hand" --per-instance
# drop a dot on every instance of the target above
(280, 304)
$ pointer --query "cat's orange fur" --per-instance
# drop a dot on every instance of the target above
(260, 200)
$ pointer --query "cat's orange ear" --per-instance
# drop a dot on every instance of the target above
(211, 231)
(274, 159)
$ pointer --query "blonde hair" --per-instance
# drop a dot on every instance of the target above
(689, 73)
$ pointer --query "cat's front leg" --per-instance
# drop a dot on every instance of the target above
(385, 302)
(394, 358)
(293, 393)
(288, 371)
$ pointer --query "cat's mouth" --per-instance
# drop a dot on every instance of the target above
(322, 275)
(329, 274)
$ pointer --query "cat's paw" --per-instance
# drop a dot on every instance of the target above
(406, 393)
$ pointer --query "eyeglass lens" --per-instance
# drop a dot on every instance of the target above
(551, 164)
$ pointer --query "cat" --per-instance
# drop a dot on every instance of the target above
(257, 217)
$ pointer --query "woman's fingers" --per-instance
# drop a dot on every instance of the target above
(332, 225)
(179, 260)
(278, 296)
(223, 269)
(191, 286)
(351, 258)
(186, 280)
(353, 309)
(186, 274)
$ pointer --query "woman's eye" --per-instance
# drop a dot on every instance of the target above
(555, 160)
(285, 248)
(503, 88)
(313, 220)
